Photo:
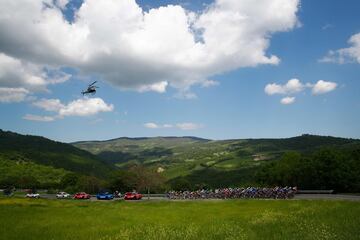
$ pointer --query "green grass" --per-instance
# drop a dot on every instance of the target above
(233, 219)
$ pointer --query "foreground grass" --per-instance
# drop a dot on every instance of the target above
(233, 219)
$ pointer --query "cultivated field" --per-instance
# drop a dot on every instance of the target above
(230, 219)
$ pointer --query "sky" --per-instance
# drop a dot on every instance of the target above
(220, 69)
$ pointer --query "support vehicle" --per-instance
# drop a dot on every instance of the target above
(62, 195)
(82, 195)
(104, 196)
(132, 196)
(32, 195)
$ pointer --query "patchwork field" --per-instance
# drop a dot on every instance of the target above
(232, 219)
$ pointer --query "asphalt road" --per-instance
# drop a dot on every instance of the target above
(297, 196)
(328, 197)
(93, 198)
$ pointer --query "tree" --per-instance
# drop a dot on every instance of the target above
(28, 182)
(180, 184)
(69, 180)
(123, 181)
(90, 184)
(147, 179)
(325, 169)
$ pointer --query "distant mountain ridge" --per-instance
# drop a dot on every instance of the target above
(142, 138)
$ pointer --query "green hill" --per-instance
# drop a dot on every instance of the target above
(182, 160)
(45, 160)
(202, 161)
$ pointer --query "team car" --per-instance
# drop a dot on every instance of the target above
(62, 195)
(32, 195)
(132, 196)
(82, 195)
(104, 196)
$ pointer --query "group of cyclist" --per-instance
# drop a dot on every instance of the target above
(229, 193)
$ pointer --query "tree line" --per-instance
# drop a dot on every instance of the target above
(336, 169)
(136, 178)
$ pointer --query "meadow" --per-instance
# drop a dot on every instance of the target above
(230, 219)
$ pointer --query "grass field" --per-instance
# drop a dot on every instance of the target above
(232, 219)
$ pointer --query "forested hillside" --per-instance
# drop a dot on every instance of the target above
(25, 158)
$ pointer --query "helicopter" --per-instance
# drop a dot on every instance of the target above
(91, 89)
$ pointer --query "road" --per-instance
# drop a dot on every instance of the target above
(297, 197)
(328, 197)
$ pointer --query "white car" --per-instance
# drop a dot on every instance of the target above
(33, 195)
(62, 195)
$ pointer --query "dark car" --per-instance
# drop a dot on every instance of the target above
(132, 196)
(104, 196)
(82, 195)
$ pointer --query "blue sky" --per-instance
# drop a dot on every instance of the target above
(237, 106)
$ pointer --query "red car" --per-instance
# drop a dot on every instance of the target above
(132, 196)
(82, 195)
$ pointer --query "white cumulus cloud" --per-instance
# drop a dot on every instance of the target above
(292, 86)
(181, 126)
(37, 118)
(142, 50)
(52, 105)
(322, 87)
(8, 95)
(151, 125)
(287, 100)
(17, 74)
(345, 55)
(80, 107)
(85, 107)
(156, 87)
(188, 126)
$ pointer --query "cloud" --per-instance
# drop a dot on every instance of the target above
(79, 107)
(287, 100)
(61, 3)
(151, 125)
(37, 118)
(185, 94)
(155, 126)
(18, 78)
(85, 107)
(209, 83)
(156, 87)
(181, 126)
(345, 55)
(322, 87)
(188, 126)
(8, 95)
(292, 86)
(16, 74)
(327, 26)
(52, 105)
(142, 50)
